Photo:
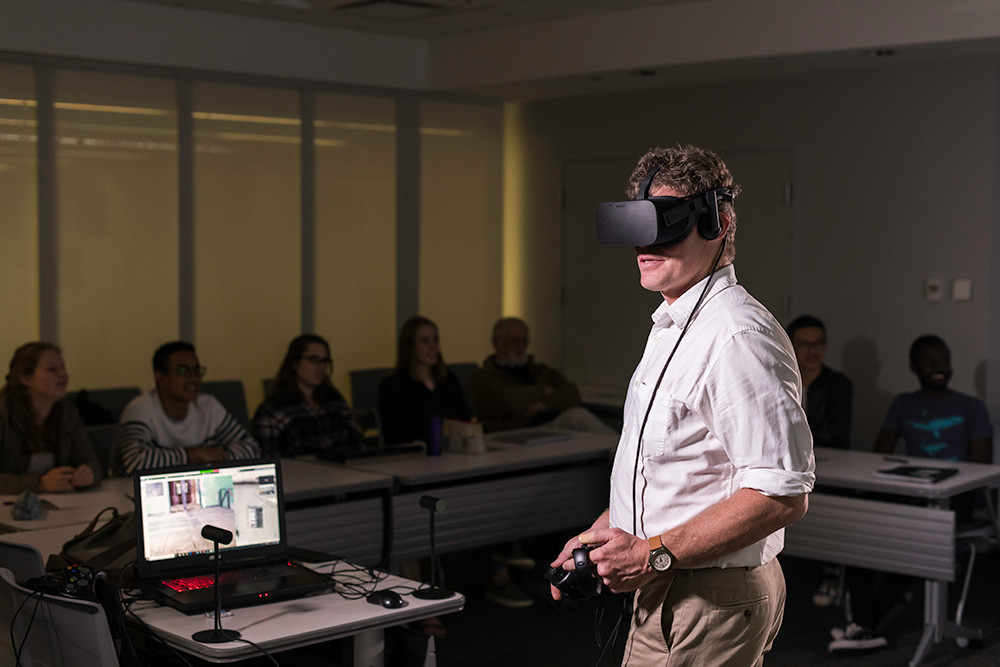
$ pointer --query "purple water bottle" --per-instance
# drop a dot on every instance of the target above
(434, 437)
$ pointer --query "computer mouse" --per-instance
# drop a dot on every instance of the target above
(388, 599)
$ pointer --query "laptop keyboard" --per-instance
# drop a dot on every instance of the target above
(233, 576)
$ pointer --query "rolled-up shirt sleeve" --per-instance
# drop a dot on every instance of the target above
(751, 402)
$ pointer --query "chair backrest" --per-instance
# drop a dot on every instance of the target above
(230, 393)
(64, 631)
(370, 426)
(102, 437)
(113, 399)
(464, 372)
(364, 387)
(23, 560)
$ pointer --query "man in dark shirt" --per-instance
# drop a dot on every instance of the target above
(828, 394)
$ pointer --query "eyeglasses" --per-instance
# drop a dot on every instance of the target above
(320, 361)
(184, 370)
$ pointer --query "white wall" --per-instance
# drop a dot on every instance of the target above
(895, 182)
(142, 33)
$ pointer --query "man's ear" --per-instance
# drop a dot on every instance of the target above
(159, 377)
(724, 220)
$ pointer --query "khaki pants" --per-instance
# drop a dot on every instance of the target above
(707, 618)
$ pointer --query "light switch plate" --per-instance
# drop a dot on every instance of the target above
(961, 289)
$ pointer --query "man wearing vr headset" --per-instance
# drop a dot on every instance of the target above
(715, 456)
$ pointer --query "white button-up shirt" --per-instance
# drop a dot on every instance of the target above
(727, 416)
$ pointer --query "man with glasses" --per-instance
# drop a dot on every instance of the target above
(828, 394)
(175, 423)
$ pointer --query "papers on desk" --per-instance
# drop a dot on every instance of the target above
(916, 474)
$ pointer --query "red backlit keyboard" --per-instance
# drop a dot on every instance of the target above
(231, 577)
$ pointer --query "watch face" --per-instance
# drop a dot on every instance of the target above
(661, 561)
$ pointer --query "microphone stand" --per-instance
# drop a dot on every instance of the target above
(217, 635)
(435, 505)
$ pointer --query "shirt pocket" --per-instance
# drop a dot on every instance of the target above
(668, 422)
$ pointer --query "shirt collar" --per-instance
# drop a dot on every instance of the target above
(679, 312)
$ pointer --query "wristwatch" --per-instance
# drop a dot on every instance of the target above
(660, 559)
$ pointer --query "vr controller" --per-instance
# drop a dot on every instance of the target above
(579, 583)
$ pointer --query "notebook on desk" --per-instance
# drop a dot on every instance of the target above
(174, 561)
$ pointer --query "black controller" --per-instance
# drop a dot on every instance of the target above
(73, 581)
(579, 583)
(78, 582)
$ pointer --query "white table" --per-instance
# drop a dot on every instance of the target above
(280, 626)
(78, 507)
(886, 535)
(511, 491)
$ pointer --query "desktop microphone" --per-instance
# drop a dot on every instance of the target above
(435, 505)
(216, 635)
(215, 534)
(432, 503)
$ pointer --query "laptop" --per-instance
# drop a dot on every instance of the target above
(176, 563)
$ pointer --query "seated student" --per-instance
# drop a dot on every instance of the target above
(175, 423)
(827, 397)
(828, 394)
(512, 390)
(43, 444)
(934, 422)
(422, 387)
(304, 413)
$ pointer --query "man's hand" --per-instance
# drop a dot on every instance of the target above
(620, 559)
(206, 454)
(56, 480)
(83, 476)
(565, 558)
(565, 561)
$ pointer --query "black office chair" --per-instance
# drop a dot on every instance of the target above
(364, 403)
(463, 372)
(102, 438)
(113, 399)
(364, 387)
(230, 393)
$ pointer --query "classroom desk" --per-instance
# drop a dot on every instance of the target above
(328, 508)
(511, 491)
(280, 626)
(74, 508)
(886, 535)
(336, 510)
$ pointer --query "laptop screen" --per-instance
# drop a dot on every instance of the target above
(174, 504)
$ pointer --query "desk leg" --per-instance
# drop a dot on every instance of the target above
(935, 616)
(369, 648)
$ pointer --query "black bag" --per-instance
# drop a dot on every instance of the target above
(110, 548)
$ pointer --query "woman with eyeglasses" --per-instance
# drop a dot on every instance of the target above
(43, 443)
(304, 413)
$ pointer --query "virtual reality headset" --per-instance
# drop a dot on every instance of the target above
(647, 221)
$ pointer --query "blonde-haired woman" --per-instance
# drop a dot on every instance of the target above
(43, 443)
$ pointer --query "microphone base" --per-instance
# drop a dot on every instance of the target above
(433, 594)
(216, 636)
